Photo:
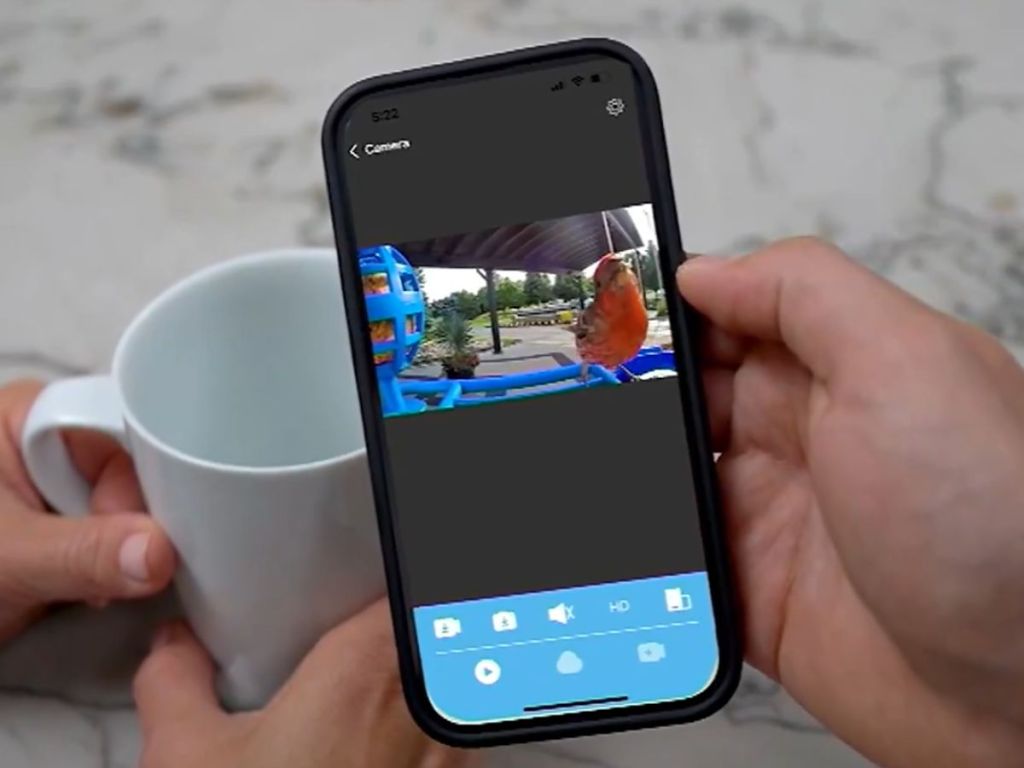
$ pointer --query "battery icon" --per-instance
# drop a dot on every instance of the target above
(676, 600)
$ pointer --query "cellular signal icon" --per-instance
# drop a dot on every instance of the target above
(559, 86)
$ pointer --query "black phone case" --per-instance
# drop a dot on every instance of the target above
(684, 324)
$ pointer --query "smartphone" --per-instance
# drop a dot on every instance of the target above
(534, 421)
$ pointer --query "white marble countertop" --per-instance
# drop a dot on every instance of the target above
(141, 140)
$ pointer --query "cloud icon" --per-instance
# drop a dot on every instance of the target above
(569, 663)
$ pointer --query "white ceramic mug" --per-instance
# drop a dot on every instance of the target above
(235, 396)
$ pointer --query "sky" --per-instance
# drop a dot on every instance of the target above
(443, 282)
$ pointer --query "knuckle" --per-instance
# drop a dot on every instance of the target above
(927, 334)
(141, 681)
(153, 668)
(938, 340)
(801, 246)
(795, 254)
(27, 384)
(23, 387)
(365, 659)
(984, 342)
(793, 258)
(86, 557)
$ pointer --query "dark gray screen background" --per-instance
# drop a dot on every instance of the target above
(557, 491)
(505, 150)
(578, 488)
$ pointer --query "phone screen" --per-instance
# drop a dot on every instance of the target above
(535, 445)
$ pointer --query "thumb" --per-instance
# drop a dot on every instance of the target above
(94, 558)
(803, 293)
(174, 686)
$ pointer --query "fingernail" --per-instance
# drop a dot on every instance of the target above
(132, 557)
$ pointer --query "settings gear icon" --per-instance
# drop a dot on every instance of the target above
(615, 107)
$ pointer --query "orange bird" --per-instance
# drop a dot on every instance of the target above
(613, 328)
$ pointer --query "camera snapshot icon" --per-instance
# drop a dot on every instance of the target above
(504, 621)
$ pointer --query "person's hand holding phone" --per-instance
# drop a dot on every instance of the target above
(871, 477)
(342, 707)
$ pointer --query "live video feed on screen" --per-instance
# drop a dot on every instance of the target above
(519, 311)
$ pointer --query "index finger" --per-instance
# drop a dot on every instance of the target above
(108, 468)
(100, 459)
(803, 293)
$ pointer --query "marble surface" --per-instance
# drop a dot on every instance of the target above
(141, 140)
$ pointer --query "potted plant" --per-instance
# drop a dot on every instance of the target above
(460, 359)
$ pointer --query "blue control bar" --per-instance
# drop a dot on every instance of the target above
(568, 650)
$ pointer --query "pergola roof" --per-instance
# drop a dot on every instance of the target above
(569, 244)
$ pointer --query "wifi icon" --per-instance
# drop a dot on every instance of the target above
(578, 80)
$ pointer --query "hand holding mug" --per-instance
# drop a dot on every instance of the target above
(233, 393)
(344, 704)
(116, 552)
(342, 707)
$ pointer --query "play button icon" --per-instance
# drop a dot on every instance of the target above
(487, 672)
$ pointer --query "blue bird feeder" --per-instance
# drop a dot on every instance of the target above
(648, 359)
(396, 311)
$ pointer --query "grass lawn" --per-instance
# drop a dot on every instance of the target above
(484, 320)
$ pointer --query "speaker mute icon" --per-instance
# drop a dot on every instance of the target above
(561, 613)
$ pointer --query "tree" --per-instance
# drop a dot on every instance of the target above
(537, 288)
(464, 303)
(567, 287)
(440, 306)
(467, 304)
(561, 288)
(649, 267)
(509, 294)
(421, 278)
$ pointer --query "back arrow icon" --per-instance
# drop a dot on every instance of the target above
(352, 151)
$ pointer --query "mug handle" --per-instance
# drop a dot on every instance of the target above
(85, 402)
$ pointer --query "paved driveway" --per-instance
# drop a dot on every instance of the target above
(531, 348)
